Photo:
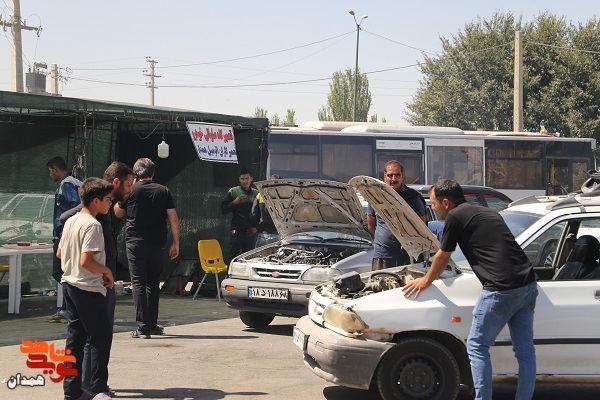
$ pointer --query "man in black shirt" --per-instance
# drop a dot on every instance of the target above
(509, 287)
(239, 200)
(148, 208)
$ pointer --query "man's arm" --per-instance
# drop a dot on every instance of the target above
(119, 212)
(87, 261)
(371, 222)
(69, 213)
(440, 261)
(174, 222)
(71, 193)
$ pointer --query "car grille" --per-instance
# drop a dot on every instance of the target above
(283, 273)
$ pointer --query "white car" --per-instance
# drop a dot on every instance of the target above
(322, 229)
(365, 332)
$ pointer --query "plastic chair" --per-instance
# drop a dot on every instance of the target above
(211, 261)
(4, 269)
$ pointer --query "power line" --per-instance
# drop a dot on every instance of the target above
(563, 47)
(219, 61)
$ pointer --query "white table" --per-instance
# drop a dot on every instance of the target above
(15, 256)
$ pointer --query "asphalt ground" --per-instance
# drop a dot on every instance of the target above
(206, 353)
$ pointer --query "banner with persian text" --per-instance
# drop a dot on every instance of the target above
(213, 142)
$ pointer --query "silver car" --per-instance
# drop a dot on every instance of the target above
(322, 229)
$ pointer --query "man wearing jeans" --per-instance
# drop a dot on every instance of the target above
(509, 287)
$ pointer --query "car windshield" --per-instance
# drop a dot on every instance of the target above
(517, 222)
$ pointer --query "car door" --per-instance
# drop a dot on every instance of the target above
(566, 322)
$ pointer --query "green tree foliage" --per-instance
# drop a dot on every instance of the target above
(290, 118)
(340, 101)
(275, 120)
(324, 113)
(260, 112)
(470, 85)
(373, 118)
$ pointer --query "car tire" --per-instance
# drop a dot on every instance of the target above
(255, 320)
(418, 368)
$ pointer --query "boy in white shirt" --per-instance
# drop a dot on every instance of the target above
(84, 281)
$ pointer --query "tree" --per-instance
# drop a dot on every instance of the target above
(275, 120)
(340, 101)
(324, 113)
(260, 112)
(470, 85)
(289, 118)
(373, 118)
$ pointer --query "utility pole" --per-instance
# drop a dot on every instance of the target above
(152, 76)
(518, 85)
(358, 24)
(54, 79)
(17, 45)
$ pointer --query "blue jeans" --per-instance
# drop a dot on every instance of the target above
(492, 312)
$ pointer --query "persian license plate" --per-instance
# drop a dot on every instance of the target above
(299, 338)
(268, 293)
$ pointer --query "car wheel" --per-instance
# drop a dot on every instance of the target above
(418, 368)
(255, 320)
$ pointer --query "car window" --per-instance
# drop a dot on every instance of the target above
(495, 202)
(541, 250)
(473, 198)
(518, 222)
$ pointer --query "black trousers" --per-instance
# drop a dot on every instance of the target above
(145, 266)
(57, 271)
(88, 323)
(239, 243)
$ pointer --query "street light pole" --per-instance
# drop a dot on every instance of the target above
(358, 24)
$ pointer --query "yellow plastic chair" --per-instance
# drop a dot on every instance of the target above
(4, 269)
(211, 261)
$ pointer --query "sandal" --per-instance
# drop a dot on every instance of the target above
(159, 330)
(139, 335)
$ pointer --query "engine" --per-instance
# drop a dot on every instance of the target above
(311, 255)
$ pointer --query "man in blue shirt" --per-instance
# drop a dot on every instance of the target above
(65, 198)
(388, 252)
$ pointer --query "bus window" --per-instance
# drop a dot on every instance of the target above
(342, 161)
(513, 164)
(463, 164)
(294, 157)
(412, 164)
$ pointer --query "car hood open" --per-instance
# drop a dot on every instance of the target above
(305, 205)
(414, 236)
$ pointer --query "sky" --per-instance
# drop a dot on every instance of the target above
(230, 57)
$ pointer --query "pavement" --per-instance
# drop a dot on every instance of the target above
(207, 353)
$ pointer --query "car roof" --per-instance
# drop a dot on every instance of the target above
(467, 189)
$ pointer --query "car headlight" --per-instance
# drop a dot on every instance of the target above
(239, 269)
(342, 320)
(317, 274)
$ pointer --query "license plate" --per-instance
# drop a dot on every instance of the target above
(299, 338)
(268, 293)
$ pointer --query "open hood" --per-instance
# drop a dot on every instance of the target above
(302, 205)
(414, 236)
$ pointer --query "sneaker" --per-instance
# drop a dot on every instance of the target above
(60, 316)
(139, 335)
(159, 330)
(102, 396)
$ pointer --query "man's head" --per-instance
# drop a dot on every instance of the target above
(274, 176)
(245, 178)
(143, 168)
(121, 177)
(444, 196)
(57, 168)
(393, 174)
(95, 195)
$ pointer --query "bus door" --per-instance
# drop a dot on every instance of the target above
(565, 175)
(412, 163)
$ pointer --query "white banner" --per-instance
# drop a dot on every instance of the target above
(213, 142)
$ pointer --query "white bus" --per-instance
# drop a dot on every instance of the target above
(517, 163)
